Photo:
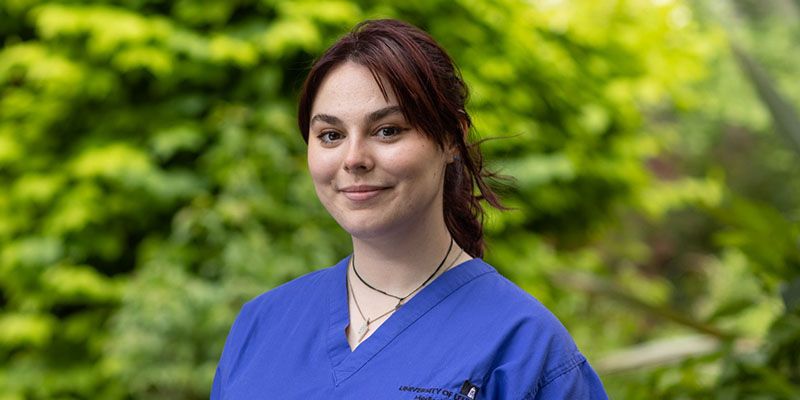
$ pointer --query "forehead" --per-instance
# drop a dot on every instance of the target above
(351, 89)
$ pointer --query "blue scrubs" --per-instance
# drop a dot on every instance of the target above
(470, 334)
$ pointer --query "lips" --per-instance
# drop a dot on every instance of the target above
(361, 193)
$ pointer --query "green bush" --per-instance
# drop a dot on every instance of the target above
(153, 180)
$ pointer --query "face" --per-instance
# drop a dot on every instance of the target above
(374, 172)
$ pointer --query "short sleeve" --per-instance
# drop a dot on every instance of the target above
(578, 382)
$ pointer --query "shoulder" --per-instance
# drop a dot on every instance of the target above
(515, 307)
(535, 347)
(263, 316)
(298, 290)
(299, 285)
(270, 308)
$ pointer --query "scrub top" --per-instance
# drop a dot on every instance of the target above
(469, 334)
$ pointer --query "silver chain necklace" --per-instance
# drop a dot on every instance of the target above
(364, 329)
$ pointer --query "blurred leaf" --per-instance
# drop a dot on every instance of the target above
(81, 284)
(18, 329)
(784, 115)
(791, 295)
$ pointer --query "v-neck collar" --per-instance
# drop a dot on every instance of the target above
(345, 362)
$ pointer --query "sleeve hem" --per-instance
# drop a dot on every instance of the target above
(574, 362)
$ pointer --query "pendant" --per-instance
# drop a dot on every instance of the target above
(363, 331)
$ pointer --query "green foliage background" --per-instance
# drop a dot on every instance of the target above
(152, 180)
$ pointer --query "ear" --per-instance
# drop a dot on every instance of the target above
(453, 153)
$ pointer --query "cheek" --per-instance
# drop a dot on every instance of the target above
(420, 167)
(321, 167)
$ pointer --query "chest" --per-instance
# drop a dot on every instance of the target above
(429, 360)
(405, 369)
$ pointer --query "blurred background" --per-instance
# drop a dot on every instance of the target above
(152, 180)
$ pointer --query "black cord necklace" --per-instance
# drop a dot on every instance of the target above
(364, 329)
(401, 299)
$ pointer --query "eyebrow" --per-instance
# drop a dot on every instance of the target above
(372, 117)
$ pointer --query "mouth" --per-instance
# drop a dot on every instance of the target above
(361, 193)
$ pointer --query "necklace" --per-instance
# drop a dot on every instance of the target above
(364, 329)
(460, 252)
(400, 299)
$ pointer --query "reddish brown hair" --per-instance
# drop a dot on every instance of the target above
(432, 96)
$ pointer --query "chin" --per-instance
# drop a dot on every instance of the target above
(365, 231)
(367, 226)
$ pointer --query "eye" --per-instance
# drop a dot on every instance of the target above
(329, 137)
(388, 132)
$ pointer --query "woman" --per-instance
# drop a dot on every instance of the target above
(414, 313)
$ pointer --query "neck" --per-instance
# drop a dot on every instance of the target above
(399, 263)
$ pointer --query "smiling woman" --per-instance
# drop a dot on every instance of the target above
(413, 311)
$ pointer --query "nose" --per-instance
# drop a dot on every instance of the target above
(359, 156)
